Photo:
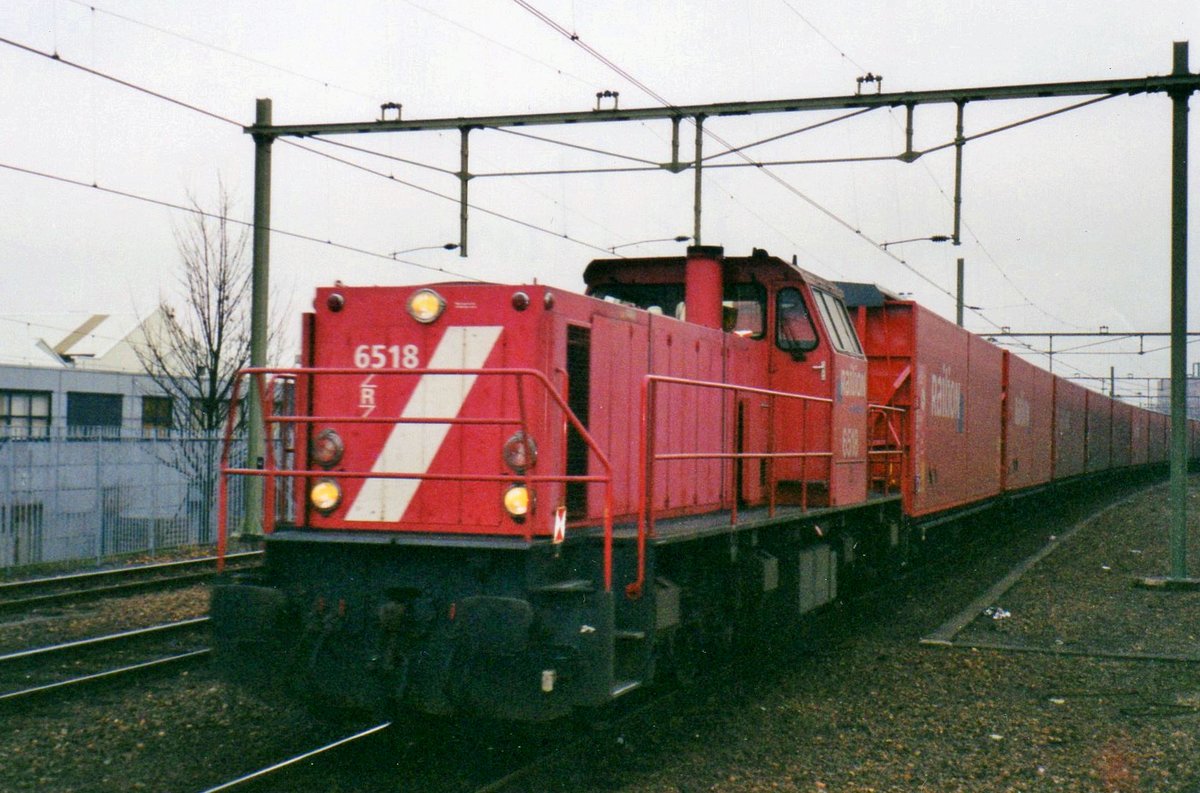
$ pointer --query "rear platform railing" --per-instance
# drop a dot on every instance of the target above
(886, 433)
(265, 381)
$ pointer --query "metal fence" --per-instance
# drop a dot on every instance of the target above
(69, 498)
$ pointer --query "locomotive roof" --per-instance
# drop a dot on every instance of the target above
(607, 270)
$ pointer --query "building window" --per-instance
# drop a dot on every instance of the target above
(156, 415)
(24, 414)
(93, 415)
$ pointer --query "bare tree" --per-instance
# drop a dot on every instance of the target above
(195, 348)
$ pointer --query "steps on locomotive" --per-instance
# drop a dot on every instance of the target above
(631, 647)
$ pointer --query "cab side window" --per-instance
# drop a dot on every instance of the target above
(837, 322)
(744, 310)
(794, 331)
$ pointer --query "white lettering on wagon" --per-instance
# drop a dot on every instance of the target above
(945, 396)
(1021, 411)
(852, 383)
(410, 448)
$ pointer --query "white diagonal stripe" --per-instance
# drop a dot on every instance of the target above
(410, 448)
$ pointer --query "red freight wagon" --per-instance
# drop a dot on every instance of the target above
(1122, 434)
(1099, 432)
(1159, 437)
(1139, 437)
(1070, 429)
(1028, 421)
(950, 380)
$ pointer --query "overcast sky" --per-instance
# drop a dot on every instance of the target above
(1066, 220)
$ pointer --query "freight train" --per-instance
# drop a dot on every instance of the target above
(519, 501)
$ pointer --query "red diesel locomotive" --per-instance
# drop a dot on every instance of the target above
(516, 501)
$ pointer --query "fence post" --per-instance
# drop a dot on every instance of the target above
(154, 496)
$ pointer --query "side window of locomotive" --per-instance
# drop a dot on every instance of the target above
(837, 321)
(657, 298)
(744, 310)
(794, 331)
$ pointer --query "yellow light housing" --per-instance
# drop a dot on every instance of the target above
(325, 496)
(517, 500)
(425, 305)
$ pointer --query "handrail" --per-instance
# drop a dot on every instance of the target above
(647, 457)
(271, 472)
(892, 457)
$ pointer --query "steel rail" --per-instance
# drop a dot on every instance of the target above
(96, 641)
(117, 572)
(34, 601)
(251, 777)
(158, 663)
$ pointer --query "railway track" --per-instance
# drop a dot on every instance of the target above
(19, 596)
(26, 675)
(247, 781)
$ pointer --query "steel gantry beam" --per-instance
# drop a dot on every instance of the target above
(1165, 83)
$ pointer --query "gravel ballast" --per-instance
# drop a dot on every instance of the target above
(855, 704)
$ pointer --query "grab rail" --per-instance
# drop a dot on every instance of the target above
(648, 456)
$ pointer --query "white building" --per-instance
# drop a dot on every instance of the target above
(75, 375)
(88, 463)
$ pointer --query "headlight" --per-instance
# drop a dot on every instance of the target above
(327, 448)
(520, 452)
(325, 495)
(426, 305)
(517, 501)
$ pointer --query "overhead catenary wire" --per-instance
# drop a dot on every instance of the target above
(924, 163)
(748, 164)
(216, 116)
(432, 192)
(217, 48)
(203, 213)
(323, 82)
(575, 38)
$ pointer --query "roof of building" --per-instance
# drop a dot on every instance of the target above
(84, 341)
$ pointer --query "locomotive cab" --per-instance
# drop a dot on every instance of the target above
(808, 346)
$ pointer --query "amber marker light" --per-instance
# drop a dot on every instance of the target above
(325, 496)
(517, 500)
(426, 305)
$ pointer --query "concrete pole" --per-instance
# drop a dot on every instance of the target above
(699, 192)
(1179, 428)
(959, 300)
(252, 521)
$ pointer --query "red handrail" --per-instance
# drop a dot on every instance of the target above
(272, 472)
(647, 457)
(892, 457)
